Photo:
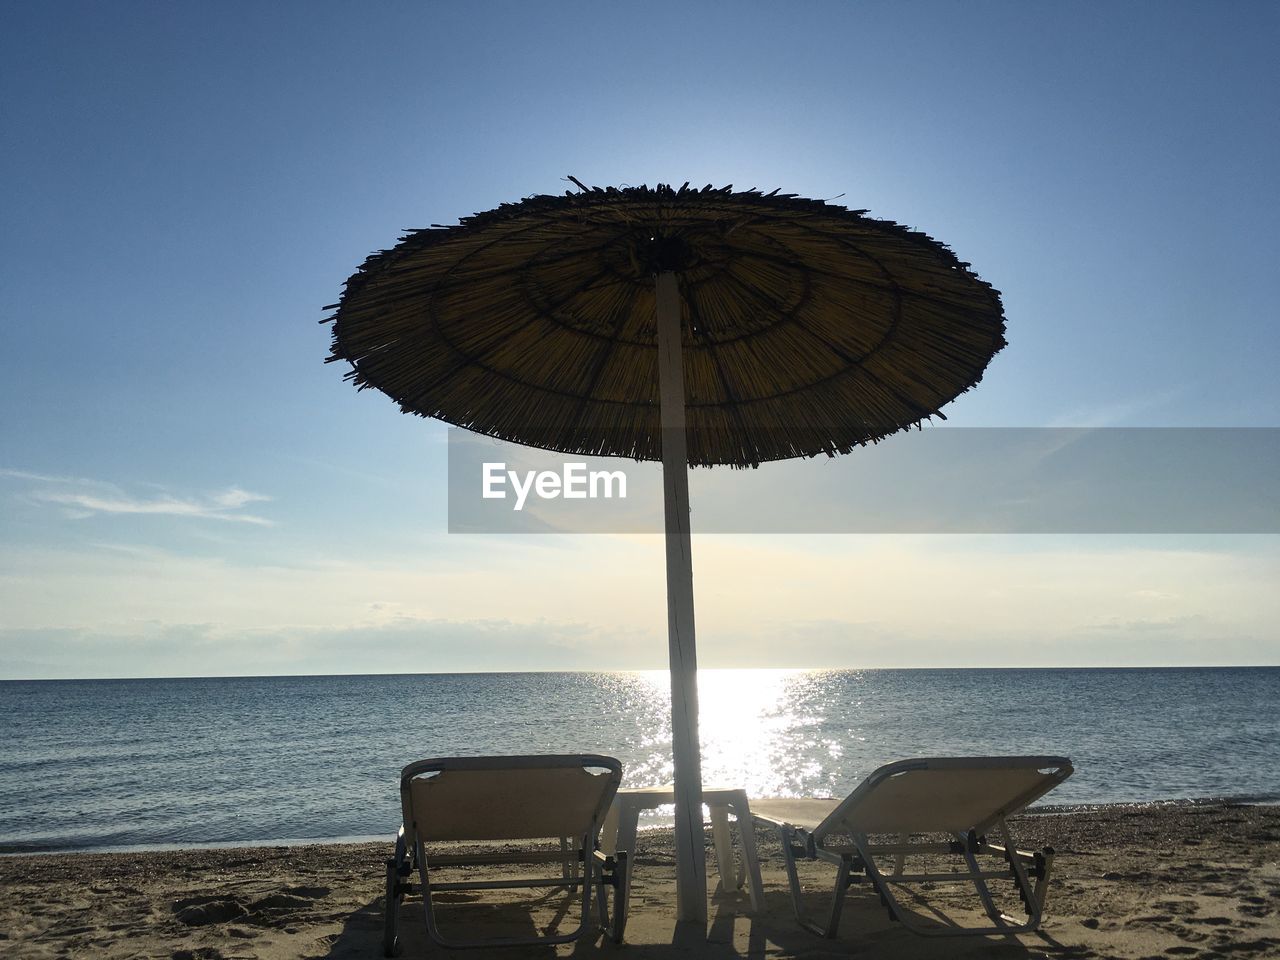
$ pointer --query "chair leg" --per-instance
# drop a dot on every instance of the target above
(1041, 892)
(837, 898)
(621, 894)
(1032, 898)
(879, 884)
(723, 844)
(602, 898)
(398, 869)
(790, 848)
(568, 861)
(624, 840)
(591, 873)
(613, 873)
(391, 912)
(787, 838)
(609, 829)
(750, 857)
(984, 894)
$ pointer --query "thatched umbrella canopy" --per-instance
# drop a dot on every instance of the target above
(807, 328)
(635, 321)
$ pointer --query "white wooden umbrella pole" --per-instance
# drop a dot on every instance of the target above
(691, 865)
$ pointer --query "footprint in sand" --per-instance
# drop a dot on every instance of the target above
(311, 893)
(280, 903)
(202, 911)
(1186, 933)
(1255, 906)
(1179, 908)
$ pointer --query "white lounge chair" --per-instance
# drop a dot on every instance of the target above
(458, 799)
(965, 798)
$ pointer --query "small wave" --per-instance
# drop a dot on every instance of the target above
(49, 848)
(1229, 800)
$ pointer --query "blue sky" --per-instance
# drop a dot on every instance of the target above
(186, 488)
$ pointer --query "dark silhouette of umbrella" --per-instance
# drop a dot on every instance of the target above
(693, 326)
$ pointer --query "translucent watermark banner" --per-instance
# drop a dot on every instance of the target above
(1139, 480)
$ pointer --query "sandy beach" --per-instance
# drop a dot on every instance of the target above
(1177, 880)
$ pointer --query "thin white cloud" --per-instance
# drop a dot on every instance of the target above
(81, 498)
(234, 497)
(41, 477)
(85, 505)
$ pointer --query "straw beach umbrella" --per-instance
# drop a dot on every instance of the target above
(692, 326)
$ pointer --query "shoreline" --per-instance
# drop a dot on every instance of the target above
(16, 850)
(1130, 881)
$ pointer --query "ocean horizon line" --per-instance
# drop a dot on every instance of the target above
(622, 671)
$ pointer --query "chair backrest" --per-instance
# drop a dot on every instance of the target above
(507, 798)
(944, 794)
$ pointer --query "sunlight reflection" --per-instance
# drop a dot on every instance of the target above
(751, 732)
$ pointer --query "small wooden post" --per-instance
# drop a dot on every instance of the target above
(691, 864)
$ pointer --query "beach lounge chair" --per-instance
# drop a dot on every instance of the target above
(891, 815)
(448, 802)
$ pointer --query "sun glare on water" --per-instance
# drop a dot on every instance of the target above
(751, 727)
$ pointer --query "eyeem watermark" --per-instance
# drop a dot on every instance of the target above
(573, 482)
(966, 480)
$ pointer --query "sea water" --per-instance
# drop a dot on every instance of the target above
(121, 763)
